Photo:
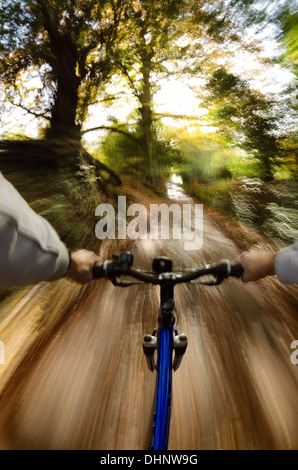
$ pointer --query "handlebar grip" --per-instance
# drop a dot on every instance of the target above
(236, 270)
(98, 271)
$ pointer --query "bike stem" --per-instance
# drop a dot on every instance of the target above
(166, 317)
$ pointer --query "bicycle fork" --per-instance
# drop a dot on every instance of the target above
(180, 342)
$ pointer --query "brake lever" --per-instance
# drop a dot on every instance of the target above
(222, 273)
(217, 282)
(125, 282)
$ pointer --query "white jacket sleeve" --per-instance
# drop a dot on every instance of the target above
(30, 249)
(286, 264)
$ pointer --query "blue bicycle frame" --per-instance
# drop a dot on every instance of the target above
(162, 412)
(165, 345)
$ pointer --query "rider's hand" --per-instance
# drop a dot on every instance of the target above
(81, 264)
(256, 265)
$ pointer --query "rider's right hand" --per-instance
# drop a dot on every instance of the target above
(256, 265)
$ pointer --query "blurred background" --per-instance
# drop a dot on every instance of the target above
(117, 97)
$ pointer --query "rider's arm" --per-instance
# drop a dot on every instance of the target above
(30, 249)
(286, 264)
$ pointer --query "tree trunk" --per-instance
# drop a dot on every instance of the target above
(266, 168)
(146, 120)
(64, 64)
(64, 111)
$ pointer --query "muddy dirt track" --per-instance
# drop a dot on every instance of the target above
(86, 386)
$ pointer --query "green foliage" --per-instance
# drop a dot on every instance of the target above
(248, 116)
(207, 162)
(124, 154)
(288, 18)
(121, 153)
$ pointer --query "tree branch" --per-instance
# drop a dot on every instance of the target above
(114, 129)
(178, 116)
(132, 84)
(29, 111)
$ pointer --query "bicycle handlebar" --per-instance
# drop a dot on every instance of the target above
(117, 267)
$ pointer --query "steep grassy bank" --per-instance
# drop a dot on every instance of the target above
(269, 209)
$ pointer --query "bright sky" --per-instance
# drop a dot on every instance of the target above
(176, 97)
